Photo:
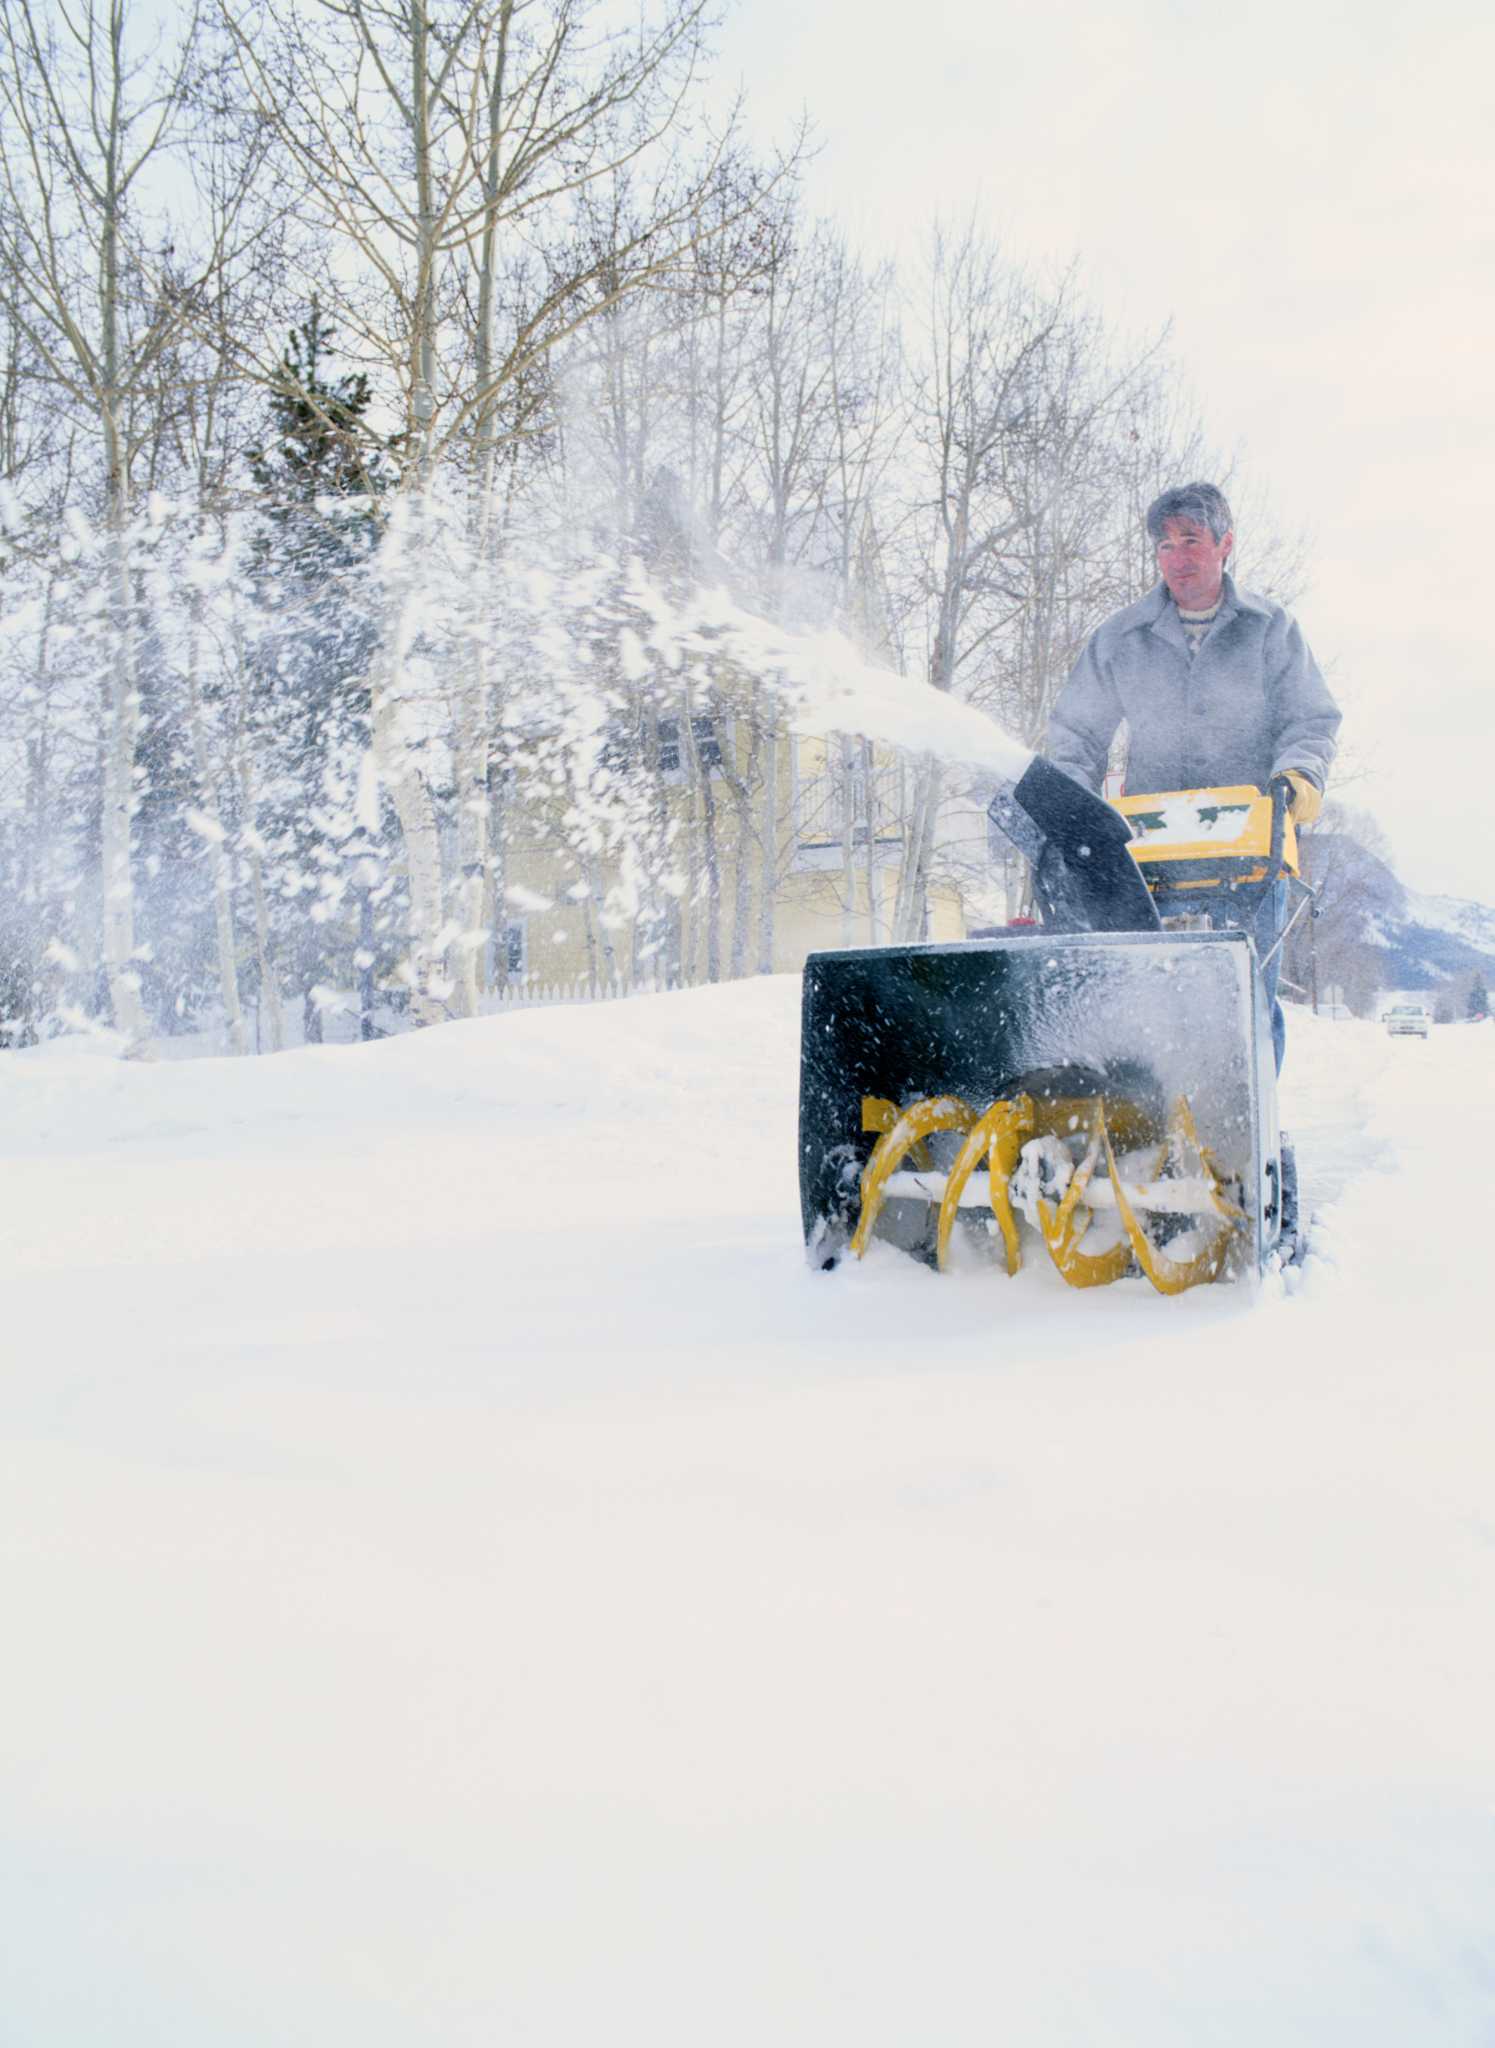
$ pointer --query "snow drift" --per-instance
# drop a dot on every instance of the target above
(467, 1580)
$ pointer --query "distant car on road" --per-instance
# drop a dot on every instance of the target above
(1408, 1020)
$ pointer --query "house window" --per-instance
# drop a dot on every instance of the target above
(703, 732)
(834, 792)
(619, 746)
(842, 793)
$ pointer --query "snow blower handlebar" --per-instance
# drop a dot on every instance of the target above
(1278, 869)
(1281, 793)
(1097, 866)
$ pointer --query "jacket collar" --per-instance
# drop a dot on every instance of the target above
(1158, 611)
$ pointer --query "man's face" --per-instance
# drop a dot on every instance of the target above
(1191, 562)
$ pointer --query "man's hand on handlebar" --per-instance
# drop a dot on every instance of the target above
(1304, 798)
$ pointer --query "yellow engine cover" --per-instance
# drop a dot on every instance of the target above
(1198, 838)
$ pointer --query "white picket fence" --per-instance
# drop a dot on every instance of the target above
(528, 994)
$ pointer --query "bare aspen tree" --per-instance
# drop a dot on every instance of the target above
(611, 415)
(1160, 442)
(1060, 465)
(35, 464)
(356, 97)
(270, 1026)
(199, 403)
(738, 299)
(433, 143)
(860, 342)
(212, 782)
(787, 431)
(90, 119)
(656, 396)
(979, 372)
(36, 450)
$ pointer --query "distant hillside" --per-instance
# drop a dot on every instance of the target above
(1439, 938)
(1373, 934)
(1474, 922)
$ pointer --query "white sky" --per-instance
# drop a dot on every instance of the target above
(1306, 191)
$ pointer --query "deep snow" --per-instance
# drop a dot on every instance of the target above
(466, 1581)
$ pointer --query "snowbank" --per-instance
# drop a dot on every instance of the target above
(468, 1581)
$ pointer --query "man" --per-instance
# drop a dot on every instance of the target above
(1216, 685)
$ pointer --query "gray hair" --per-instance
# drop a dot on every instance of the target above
(1202, 503)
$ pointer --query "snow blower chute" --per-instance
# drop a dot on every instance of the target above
(1108, 1078)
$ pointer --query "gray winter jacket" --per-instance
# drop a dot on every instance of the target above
(1249, 705)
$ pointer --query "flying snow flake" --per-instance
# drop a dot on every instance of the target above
(205, 827)
(631, 656)
(366, 804)
(332, 1001)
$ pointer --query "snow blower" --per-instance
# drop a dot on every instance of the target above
(1107, 1079)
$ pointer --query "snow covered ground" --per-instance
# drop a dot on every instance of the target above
(466, 1581)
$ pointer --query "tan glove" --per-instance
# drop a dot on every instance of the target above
(1308, 799)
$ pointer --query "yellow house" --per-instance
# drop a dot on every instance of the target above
(760, 849)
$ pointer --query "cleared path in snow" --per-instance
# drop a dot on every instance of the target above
(466, 1580)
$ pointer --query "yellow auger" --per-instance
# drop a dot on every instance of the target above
(1032, 1142)
(1107, 1079)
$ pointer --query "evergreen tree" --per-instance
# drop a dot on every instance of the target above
(174, 921)
(319, 477)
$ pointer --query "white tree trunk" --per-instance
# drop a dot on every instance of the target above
(848, 842)
(913, 882)
(272, 1030)
(270, 1026)
(218, 860)
(397, 736)
(768, 869)
(874, 908)
(472, 836)
(414, 806)
(119, 801)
